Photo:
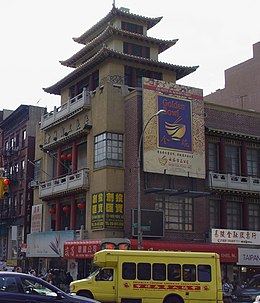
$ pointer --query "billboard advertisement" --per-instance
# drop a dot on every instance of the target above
(174, 142)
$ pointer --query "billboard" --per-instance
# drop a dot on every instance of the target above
(174, 142)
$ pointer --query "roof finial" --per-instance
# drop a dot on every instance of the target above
(114, 3)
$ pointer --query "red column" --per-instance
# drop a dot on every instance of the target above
(74, 157)
(73, 214)
(59, 168)
(58, 219)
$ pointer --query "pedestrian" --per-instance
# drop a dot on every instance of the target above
(68, 280)
(227, 291)
(49, 278)
(18, 269)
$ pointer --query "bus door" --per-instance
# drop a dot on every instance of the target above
(105, 285)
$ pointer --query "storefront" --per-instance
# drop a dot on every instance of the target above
(81, 252)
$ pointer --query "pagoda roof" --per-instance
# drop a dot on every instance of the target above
(106, 53)
(115, 12)
(107, 34)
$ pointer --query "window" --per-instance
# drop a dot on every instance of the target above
(131, 27)
(174, 272)
(254, 216)
(129, 271)
(253, 162)
(136, 50)
(24, 135)
(22, 169)
(189, 272)
(108, 150)
(204, 273)
(144, 271)
(37, 171)
(178, 213)
(159, 272)
(234, 215)
(133, 76)
(233, 159)
(214, 213)
(213, 164)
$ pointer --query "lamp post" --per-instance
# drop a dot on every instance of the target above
(139, 220)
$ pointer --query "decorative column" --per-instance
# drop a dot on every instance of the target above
(72, 213)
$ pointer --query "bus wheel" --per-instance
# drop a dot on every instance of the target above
(173, 299)
(85, 293)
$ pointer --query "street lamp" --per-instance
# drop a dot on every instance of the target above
(139, 221)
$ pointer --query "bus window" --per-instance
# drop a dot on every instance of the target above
(129, 271)
(159, 271)
(204, 273)
(189, 272)
(144, 271)
(174, 272)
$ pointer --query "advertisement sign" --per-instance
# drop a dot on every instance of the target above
(230, 236)
(175, 140)
(36, 221)
(107, 210)
(48, 244)
(248, 256)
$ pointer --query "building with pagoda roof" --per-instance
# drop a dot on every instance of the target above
(106, 155)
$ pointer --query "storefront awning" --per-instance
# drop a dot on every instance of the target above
(85, 249)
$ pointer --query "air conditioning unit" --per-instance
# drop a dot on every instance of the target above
(33, 183)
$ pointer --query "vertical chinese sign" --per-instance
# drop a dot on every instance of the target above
(107, 210)
(36, 221)
(173, 142)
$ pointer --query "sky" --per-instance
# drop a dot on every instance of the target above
(37, 34)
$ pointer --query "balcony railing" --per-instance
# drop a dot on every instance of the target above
(228, 181)
(68, 108)
(66, 183)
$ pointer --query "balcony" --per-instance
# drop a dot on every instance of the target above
(71, 107)
(239, 183)
(64, 184)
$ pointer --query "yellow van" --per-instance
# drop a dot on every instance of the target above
(127, 276)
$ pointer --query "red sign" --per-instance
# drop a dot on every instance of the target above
(228, 253)
(82, 249)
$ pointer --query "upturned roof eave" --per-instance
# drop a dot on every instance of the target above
(103, 54)
(150, 22)
(107, 34)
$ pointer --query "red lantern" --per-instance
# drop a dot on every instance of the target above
(69, 156)
(63, 156)
(52, 210)
(66, 209)
(81, 205)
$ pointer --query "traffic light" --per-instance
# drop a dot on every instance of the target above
(4, 188)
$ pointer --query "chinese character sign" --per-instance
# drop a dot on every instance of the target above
(174, 141)
(97, 211)
(36, 222)
(107, 210)
(230, 236)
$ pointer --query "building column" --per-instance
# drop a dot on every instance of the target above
(245, 213)
(74, 157)
(223, 212)
(73, 213)
(58, 219)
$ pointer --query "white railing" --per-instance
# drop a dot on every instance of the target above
(65, 183)
(72, 105)
(217, 180)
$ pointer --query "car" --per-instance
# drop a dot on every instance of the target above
(250, 293)
(19, 287)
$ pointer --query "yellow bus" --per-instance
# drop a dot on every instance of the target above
(128, 276)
